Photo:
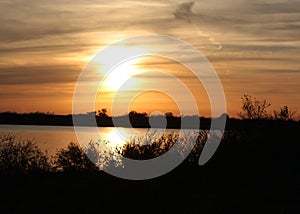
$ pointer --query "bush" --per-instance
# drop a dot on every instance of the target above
(20, 156)
(73, 159)
(254, 108)
(284, 114)
(149, 147)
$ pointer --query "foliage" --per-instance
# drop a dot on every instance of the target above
(73, 159)
(284, 114)
(102, 112)
(17, 155)
(149, 147)
(254, 108)
(102, 154)
(20, 156)
(169, 114)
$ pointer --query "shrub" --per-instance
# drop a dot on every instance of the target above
(73, 159)
(20, 156)
(284, 114)
(149, 146)
(253, 108)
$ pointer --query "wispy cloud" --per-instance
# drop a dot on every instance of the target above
(47, 42)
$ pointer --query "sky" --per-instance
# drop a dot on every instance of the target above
(254, 46)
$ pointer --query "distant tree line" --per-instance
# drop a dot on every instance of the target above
(132, 119)
(252, 109)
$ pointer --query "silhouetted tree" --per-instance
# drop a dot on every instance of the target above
(138, 119)
(169, 114)
(132, 114)
(253, 108)
(102, 113)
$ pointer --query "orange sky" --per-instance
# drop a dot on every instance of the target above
(254, 47)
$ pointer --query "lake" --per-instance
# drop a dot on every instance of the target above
(53, 138)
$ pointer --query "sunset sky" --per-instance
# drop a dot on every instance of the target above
(254, 47)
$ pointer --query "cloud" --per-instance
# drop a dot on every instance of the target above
(242, 21)
(253, 35)
(38, 75)
(283, 7)
(184, 11)
(41, 42)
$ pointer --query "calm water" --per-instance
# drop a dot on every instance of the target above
(52, 138)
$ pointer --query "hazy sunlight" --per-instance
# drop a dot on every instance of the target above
(118, 76)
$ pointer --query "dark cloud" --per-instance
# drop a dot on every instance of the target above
(184, 11)
(276, 7)
(50, 49)
(256, 18)
(29, 20)
(38, 75)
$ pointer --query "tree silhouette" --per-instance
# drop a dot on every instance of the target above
(253, 108)
(169, 114)
(102, 113)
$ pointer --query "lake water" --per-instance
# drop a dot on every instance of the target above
(53, 138)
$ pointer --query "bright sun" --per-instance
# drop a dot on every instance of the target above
(120, 75)
(122, 72)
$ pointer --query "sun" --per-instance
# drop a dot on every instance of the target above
(118, 76)
(115, 71)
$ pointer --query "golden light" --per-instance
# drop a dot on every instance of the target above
(120, 75)
(117, 138)
(116, 72)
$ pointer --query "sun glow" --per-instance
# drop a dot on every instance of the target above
(115, 70)
(118, 76)
(117, 138)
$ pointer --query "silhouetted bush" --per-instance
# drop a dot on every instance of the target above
(284, 114)
(17, 155)
(254, 108)
(73, 159)
(142, 148)
(20, 156)
(148, 147)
